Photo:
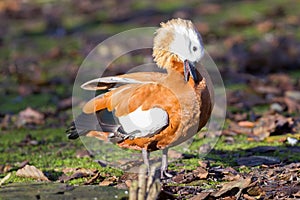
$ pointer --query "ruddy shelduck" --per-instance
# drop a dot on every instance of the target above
(152, 110)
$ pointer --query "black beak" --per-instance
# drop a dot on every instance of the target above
(190, 69)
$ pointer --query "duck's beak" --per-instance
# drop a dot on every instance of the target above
(190, 69)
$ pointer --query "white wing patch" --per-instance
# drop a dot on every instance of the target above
(141, 123)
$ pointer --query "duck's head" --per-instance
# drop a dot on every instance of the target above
(178, 41)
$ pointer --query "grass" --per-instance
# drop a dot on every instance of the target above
(14, 103)
(54, 152)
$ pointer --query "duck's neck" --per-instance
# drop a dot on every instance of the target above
(177, 68)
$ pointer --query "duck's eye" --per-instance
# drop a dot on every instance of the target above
(194, 48)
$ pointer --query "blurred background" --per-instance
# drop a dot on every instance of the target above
(43, 42)
(255, 44)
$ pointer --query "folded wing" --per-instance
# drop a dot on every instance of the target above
(139, 109)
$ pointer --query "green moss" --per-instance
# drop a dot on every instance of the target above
(236, 87)
(244, 169)
(16, 179)
(53, 152)
(295, 74)
(170, 5)
(260, 109)
(14, 103)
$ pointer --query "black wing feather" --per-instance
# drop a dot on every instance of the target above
(102, 121)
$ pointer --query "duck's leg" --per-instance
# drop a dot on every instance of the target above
(164, 165)
(146, 155)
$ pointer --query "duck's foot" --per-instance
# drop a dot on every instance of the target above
(164, 165)
(164, 174)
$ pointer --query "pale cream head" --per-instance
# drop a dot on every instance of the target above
(177, 40)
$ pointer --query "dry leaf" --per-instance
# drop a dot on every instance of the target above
(174, 154)
(78, 173)
(240, 184)
(30, 171)
(247, 197)
(30, 116)
(272, 124)
(94, 178)
(203, 164)
(295, 95)
(5, 122)
(265, 26)
(246, 124)
(83, 153)
(201, 173)
(201, 196)
(297, 194)
(108, 181)
(3, 180)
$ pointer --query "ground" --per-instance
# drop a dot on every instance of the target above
(255, 45)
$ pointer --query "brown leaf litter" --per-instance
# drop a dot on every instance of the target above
(30, 171)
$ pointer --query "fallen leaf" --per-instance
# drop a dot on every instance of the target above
(128, 183)
(246, 124)
(3, 180)
(293, 106)
(203, 164)
(63, 178)
(295, 95)
(272, 124)
(30, 116)
(178, 178)
(174, 154)
(77, 173)
(185, 178)
(247, 197)
(240, 130)
(23, 164)
(31, 171)
(108, 181)
(201, 196)
(5, 168)
(267, 90)
(229, 140)
(229, 198)
(94, 178)
(231, 177)
(238, 22)
(265, 26)
(201, 173)
(297, 195)
(5, 122)
(83, 153)
(230, 174)
(28, 140)
(255, 190)
(239, 184)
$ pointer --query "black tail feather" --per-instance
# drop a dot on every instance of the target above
(102, 121)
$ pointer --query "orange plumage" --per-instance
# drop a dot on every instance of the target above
(181, 94)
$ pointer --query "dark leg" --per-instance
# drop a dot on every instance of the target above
(164, 165)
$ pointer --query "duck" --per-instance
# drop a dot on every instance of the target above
(152, 110)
